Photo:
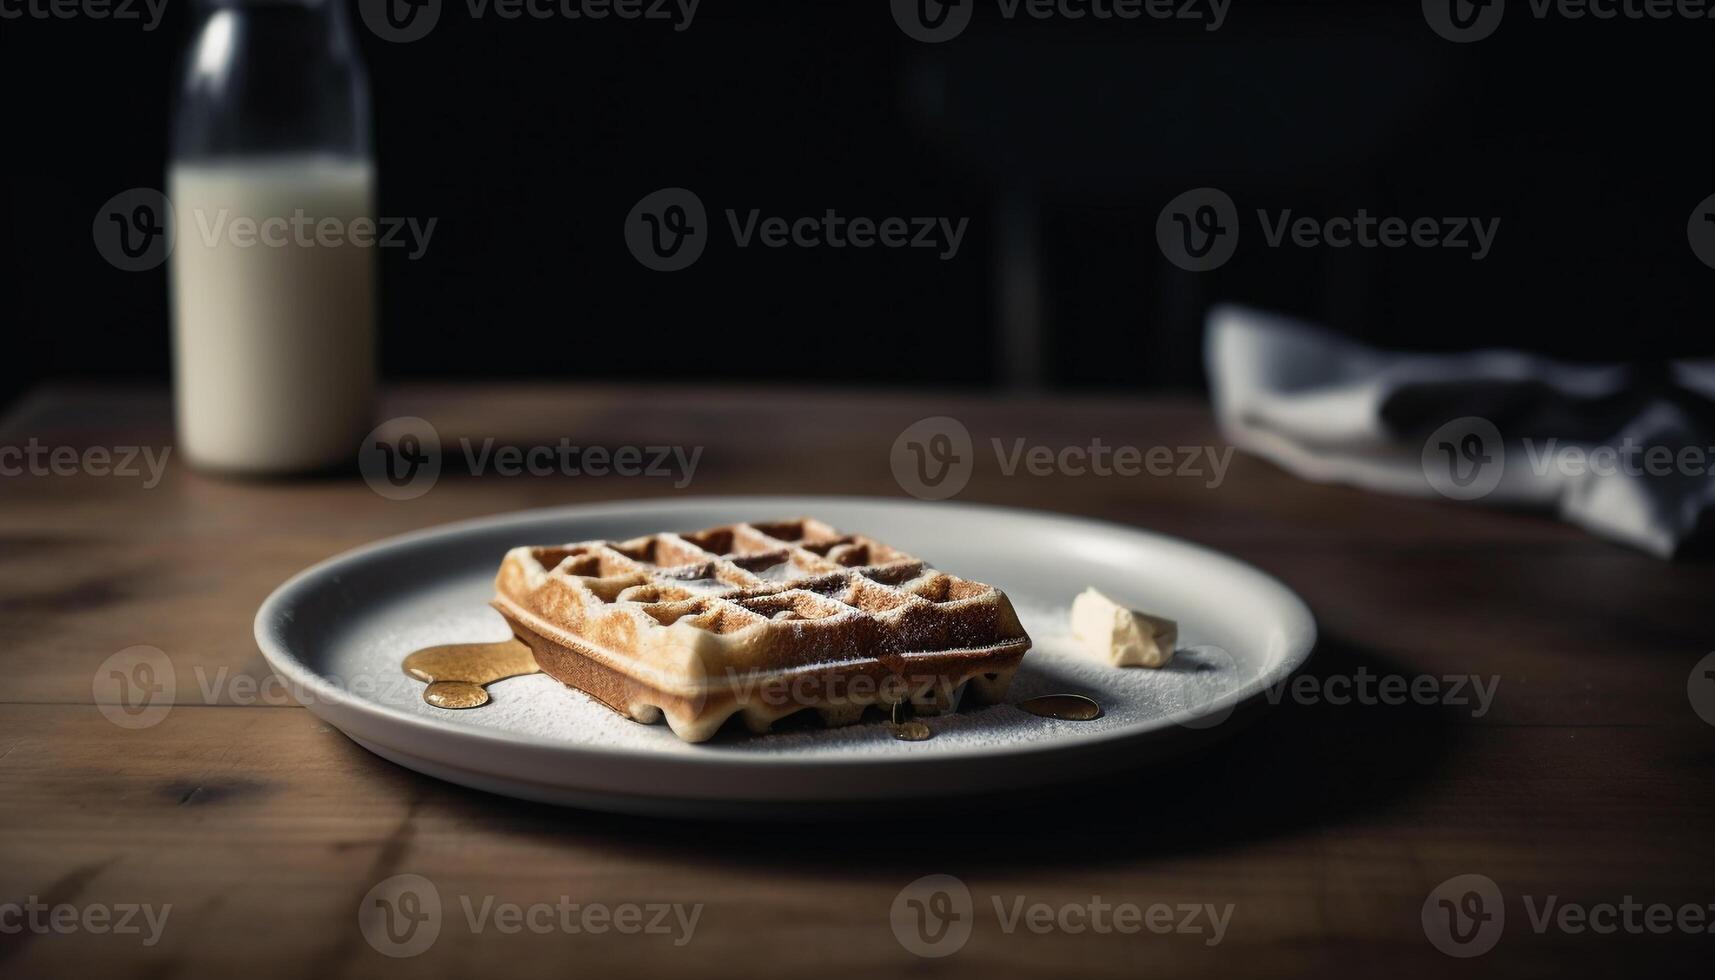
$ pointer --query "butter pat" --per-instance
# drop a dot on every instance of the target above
(1123, 637)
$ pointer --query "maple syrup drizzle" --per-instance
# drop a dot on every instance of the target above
(1065, 707)
(458, 674)
(910, 731)
(902, 726)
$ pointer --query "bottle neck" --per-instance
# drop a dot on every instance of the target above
(323, 23)
(270, 78)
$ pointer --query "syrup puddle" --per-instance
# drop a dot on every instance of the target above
(902, 726)
(458, 674)
(910, 731)
(1065, 707)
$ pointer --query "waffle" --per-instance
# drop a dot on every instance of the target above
(758, 620)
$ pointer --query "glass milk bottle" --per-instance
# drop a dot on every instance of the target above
(272, 182)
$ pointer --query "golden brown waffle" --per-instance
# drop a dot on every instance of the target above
(760, 620)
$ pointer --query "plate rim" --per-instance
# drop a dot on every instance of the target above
(333, 699)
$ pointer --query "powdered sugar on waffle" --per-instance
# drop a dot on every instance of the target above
(689, 623)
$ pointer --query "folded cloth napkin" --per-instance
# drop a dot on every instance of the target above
(1624, 451)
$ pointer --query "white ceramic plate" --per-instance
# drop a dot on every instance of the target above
(338, 632)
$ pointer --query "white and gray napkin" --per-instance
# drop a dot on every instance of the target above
(1623, 451)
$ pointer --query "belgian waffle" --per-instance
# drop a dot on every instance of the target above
(759, 620)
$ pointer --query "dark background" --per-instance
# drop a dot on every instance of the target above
(531, 140)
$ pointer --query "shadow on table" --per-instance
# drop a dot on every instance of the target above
(1301, 763)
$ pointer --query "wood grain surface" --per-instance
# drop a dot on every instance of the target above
(1324, 825)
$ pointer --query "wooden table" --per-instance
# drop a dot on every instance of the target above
(1325, 826)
